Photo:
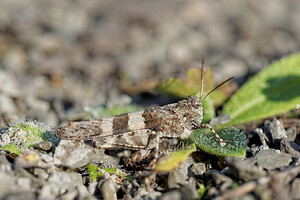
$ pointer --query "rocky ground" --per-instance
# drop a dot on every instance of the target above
(59, 59)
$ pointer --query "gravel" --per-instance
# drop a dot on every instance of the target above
(59, 58)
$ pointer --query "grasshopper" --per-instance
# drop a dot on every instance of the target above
(143, 129)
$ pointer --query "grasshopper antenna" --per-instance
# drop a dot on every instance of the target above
(215, 87)
(201, 92)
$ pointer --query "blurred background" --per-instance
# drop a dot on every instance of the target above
(56, 56)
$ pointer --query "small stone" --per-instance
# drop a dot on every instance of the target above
(44, 145)
(176, 178)
(108, 189)
(275, 128)
(78, 154)
(29, 159)
(272, 159)
(24, 182)
(9, 84)
(218, 177)
(84, 194)
(20, 195)
(230, 67)
(292, 133)
(188, 192)
(172, 195)
(40, 173)
(92, 187)
(295, 193)
(7, 104)
(198, 168)
(4, 161)
(59, 183)
(243, 169)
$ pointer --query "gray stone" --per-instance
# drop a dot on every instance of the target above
(14, 182)
(291, 133)
(230, 67)
(198, 168)
(244, 169)
(184, 167)
(83, 194)
(41, 109)
(29, 159)
(92, 187)
(7, 184)
(7, 104)
(295, 192)
(108, 189)
(176, 178)
(59, 183)
(272, 159)
(4, 162)
(44, 145)
(218, 177)
(78, 154)
(47, 192)
(275, 128)
(188, 192)
(20, 195)
(40, 173)
(73, 194)
(171, 195)
(9, 84)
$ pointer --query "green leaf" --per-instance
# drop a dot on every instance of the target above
(173, 160)
(208, 110)
(177, 87)
(11, 147)
(93, 171)
(202, 189)
(274, 90)
(206, 140)
(181, 88)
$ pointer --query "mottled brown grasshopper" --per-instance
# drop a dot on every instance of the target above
(143, 129)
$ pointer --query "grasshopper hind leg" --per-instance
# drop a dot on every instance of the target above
(222, 142)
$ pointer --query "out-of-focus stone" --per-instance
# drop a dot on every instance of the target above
(272, 159)
(77, 154)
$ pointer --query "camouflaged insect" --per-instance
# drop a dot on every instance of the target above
(143, 129)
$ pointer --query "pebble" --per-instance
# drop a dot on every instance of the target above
(59, 183)
(272, 159)
(218, 177)
(244, 169)
(29, 159)
(7, 104)
(77, 154)
(108, 189)
(68, 52)
(9, 84)
(176, 178)
(186, 191)
(295, 193)
(44, 145)
(198, 168)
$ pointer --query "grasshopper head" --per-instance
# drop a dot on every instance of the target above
(195, 115)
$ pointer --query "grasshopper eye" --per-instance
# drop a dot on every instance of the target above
(195, 103)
